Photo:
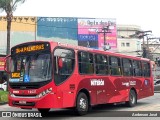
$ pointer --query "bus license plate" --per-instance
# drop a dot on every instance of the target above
(22, 102)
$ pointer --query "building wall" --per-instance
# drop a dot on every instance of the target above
(22, 30)
(58, 29)
(127, 44)
(3, 41)
(69, 30)
(19, 24)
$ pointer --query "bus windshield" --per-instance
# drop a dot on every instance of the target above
(31, 68)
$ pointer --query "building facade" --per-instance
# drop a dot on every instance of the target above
(22, 30)
(86, 32)
(127, 44)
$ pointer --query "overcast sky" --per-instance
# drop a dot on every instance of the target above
(144, 13)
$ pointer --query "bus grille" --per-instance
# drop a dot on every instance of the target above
(26, 104)
(23, 87)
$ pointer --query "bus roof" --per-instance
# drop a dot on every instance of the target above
(89, 50)
(102, 52)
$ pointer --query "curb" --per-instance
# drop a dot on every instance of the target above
(156, 91)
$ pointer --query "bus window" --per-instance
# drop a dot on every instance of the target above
(127, 67)
(137, 69)
(64, 61)
(146, 69)
(101, 64)
(115, 66)
(86, 65)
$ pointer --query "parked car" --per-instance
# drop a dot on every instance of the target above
(3, 86)
(157, 85)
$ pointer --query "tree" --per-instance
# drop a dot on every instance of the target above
(9, 6)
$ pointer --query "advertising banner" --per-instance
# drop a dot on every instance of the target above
(91, 32)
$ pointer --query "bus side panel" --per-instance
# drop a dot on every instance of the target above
(85, 83)
(68, 99)
(146, 89)
(143, 87)
(117, 89)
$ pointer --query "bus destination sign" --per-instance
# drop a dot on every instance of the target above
(30, 48)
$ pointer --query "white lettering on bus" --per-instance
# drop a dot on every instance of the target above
(97, 82)
(132, 82)
(125, 83)
(15, 91)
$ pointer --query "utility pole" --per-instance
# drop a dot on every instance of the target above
(158, 38)
(145, 49)
(105, 30)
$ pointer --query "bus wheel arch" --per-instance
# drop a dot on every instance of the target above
(82, 103)
(132, 98)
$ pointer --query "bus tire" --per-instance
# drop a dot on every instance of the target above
(132, 99)
(44, 111)
(82, 104)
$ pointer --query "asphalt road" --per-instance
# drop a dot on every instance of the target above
(146, 106)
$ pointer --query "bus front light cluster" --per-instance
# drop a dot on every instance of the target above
(11, 94)
(45, 92)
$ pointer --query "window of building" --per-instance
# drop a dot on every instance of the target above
(122, 44)
(127, 44)
(115, 66)
(86, 65)
(101, 64)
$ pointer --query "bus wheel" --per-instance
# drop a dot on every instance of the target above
(132, 99)
(44, 111)
(82, 104)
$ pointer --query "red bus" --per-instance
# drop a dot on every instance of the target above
(46, 75)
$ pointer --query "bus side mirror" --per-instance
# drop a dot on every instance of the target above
(60, 62)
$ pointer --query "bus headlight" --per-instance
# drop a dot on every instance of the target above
(45, 92)
(12, 95)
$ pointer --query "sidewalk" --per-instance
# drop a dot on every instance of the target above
(3, 107)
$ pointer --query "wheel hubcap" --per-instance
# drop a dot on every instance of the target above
(83, 103)
(132, 98)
